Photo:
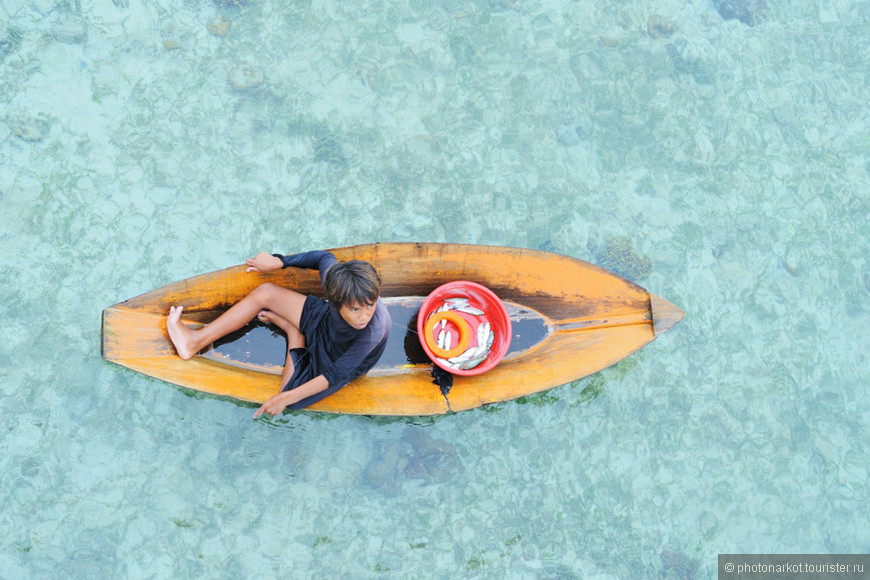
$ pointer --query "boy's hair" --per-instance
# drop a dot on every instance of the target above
(352, 282)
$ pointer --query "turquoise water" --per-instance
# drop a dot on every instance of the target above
(145, 142)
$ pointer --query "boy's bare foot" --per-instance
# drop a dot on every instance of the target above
(265, 316)
(179, 334)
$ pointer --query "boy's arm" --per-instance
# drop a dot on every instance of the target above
(264, 262)
(279, 402)
(315, 260)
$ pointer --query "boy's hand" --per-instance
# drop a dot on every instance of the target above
(274, 406)
(263, 262)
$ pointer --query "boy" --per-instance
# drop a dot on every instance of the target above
(330, 341)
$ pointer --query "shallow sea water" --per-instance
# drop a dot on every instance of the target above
(145, 142)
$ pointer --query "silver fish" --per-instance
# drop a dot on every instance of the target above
(483, 332)
(476, 355)
(470, 310)
(472, 352)
(442, 323)
(465, 356)
(445, 362)
(476, 360)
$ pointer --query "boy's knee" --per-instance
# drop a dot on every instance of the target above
(264, 291)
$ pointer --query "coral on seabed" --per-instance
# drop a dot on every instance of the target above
(219, 28)
(29, 127)
(658, 27)
(618, 254)
(749, 12)
(414, 456)
(679, 565)
(244, 77)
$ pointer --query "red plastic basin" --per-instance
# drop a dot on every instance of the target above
(479, 297)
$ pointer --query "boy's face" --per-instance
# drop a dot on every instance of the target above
(358, 315)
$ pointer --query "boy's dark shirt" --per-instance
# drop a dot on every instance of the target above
(352, 352)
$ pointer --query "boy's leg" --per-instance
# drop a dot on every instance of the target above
(295, 339)
(189, 341)
(289, 369)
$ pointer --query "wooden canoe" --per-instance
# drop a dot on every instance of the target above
(570, 319)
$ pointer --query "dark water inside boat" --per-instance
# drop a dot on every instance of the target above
(263, 345)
